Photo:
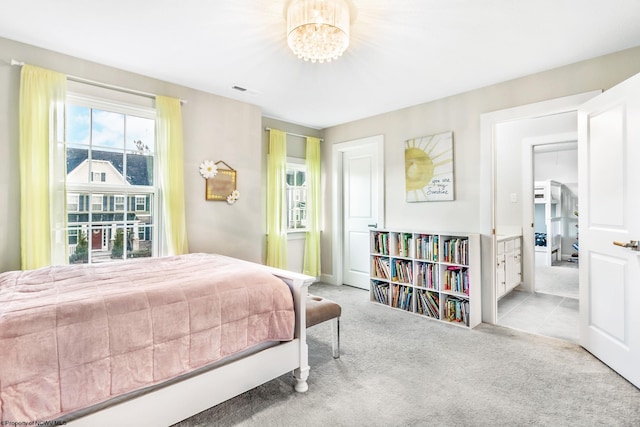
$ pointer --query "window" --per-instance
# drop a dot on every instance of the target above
(73, 236)
(98, 176)
(141, 203)
(73, 202)
(118, 202)
(296, 195)
(96, 202)
(111, 190)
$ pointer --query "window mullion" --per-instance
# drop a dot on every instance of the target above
(113, 214)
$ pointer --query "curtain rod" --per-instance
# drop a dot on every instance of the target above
(297, 134)
(104, 85)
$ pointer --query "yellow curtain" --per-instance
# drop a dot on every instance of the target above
(170, 159)
(312, 241)
(276, 217)
(43, 217)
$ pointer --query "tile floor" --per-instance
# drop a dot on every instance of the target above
(544, 313)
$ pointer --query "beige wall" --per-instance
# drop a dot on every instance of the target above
(510, 147)
(215, 128)
(461, 114)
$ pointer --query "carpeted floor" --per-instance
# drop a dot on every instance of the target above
(398, 369)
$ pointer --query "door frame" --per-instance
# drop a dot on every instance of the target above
(337, 213)
(528, 182)
(488, 137)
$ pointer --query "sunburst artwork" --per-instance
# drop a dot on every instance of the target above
(428, 169)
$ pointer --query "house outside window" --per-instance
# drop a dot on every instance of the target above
(111, 190)
(296, 197)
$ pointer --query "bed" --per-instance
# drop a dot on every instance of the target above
(547, 248)
(548, 222)
(147, 341)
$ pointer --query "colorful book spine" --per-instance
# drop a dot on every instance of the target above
(457, 310)
(381, 292)
(381, 267)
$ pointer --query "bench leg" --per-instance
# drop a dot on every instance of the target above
(335, 337)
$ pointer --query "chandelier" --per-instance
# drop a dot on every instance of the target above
(318, 30)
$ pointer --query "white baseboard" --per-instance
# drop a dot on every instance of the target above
(328, 278)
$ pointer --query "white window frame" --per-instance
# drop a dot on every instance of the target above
(74, 232)
(94, 197)
(137, 204)
(297, 165)
(98, 176)
(119, 206)
(127, 190)
(71, 196)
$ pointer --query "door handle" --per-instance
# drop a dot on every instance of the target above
(633, 244)
(372, 225)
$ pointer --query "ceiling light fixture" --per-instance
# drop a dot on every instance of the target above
(318, 30)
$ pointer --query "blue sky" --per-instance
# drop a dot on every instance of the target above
(108, 129)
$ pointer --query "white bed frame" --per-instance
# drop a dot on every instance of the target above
(549, 195)
(173, 403)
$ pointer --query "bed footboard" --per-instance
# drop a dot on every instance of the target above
(299, 285)
(180, 400)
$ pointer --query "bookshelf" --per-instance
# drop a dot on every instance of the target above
(433, 275)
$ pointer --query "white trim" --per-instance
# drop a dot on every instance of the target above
(337, 151)
(106, 104)
(488, 124)
(129, 107)
(143, 197)
(528, 256)
(110, 188)
(115, 203)
(296, 165)
(75, 196)
(327, 278)
(94, 204)
(300, 234)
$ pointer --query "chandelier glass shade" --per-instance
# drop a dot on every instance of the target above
(318, 30)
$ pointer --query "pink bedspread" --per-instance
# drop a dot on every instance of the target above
(73, 336)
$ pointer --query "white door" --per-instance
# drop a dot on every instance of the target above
(363, 194)
(609, 211)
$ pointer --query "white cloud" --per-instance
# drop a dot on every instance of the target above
(108, 129)
(142, 129)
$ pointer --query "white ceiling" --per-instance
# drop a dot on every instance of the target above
(402, 52)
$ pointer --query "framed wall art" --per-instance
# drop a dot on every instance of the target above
(222, 184)
(429, 168)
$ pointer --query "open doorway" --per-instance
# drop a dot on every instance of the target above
(555, 170)
(537, 220)
(555, 293)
